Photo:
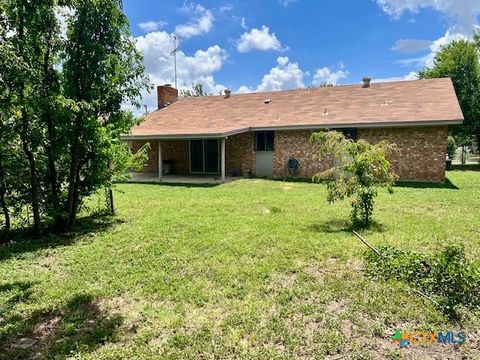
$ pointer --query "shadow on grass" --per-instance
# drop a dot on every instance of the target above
(79, 325)
(343, 225)
(427, 185)
(292, 179)
(23, 243)
(185, 185)
(466, 167)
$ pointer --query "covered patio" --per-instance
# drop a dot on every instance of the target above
(203, 159)
(179, 179)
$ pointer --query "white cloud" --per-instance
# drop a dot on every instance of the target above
(462, 17)
(327, 76)
(285, 3)
(243, 23)
(149, 26)
(427, 60)
(439, 43)
(410, 76)
(200, 67)
(284, 76)
(244, 90)
(200, 23)
(259, 39)
(411, 45)
(462, 13)
(227, 7)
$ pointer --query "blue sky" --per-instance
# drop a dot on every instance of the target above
(269, 45)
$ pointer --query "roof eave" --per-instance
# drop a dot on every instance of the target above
(294, 127)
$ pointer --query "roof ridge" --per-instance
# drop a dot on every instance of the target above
(316, 88)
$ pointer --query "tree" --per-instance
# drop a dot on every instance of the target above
(102, 70)
(26, 22)
(359, 170)
(459, 60)
(195, 91)
(61, 97)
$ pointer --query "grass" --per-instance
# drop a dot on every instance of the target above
(250, 269)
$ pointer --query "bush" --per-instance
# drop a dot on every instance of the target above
(359, 169)
(451, 147)
(449, 277)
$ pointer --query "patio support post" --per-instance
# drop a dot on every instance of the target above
(160, 162)
(222, 160)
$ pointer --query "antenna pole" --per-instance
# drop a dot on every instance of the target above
(175, 58)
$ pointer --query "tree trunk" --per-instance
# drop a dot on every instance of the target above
(111, 206)
(478, 145)
(3, 205)
(52, 176)
(34, 186)
(72, 184)
(24, 135)
(464, 155)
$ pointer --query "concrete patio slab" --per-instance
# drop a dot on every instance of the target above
(180, 179)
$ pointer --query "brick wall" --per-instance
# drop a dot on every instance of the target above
(240, 154)
(177, 151)
(296, 144)
(421, 151)
(420, 155)
(172, 150)
(152, 163)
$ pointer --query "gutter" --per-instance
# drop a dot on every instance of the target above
(371, 125)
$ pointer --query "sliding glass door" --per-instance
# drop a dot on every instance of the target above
(204, 157)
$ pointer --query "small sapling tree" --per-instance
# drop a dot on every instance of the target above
(359, 169)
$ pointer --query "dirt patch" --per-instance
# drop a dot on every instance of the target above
(282, 281)
(347, 328)
(355, 265)
(50, 264)
(316, 272)
(336, 306)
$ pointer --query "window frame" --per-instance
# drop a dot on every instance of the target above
(266, 147)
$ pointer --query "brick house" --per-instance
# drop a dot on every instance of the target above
(256, 134)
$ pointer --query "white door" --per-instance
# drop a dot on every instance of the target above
(264, 164)
(264, 149)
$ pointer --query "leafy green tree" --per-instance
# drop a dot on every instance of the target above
(459, 60)
(195, 91)
(24, 21)
(358, 170)
(61, 99)
(102, 70)
(5, 55)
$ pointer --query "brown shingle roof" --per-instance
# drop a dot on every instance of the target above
(420, 102)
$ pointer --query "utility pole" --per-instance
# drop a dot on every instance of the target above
(174, 53)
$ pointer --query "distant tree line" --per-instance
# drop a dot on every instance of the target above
(460, 60)
(67, 66)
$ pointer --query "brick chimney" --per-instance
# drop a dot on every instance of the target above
(166, 94)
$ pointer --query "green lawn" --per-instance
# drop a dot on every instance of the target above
(250, 269)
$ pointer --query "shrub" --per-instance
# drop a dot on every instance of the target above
(360, 168)
(449, 277)
(451, 147)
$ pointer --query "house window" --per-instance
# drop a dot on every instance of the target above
(265, 141)
(349, 133)
(204, 156)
